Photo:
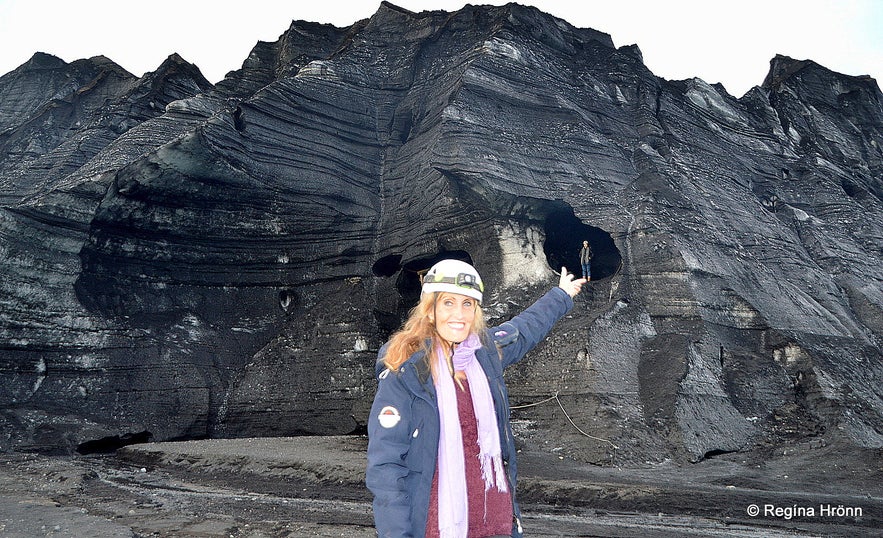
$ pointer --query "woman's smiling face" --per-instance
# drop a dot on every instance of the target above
(454, 314)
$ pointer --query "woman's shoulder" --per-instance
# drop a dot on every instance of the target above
(415, 364)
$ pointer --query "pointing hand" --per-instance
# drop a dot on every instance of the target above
(569, 284)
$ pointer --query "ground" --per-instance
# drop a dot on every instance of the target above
(308, 486)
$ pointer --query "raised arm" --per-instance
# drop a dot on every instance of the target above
(519, 335)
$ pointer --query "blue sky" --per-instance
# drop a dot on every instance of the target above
(731, 43)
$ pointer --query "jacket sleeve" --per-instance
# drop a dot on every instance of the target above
(388, 445)
(526, 330)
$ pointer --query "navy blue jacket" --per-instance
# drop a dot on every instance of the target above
(403, 428)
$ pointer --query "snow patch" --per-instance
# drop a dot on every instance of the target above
(501, 48)
(317, 68)
(524, 262)
(452, 112)
(788, 355)
(705, 97)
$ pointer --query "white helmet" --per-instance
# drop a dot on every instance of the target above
(454, 276)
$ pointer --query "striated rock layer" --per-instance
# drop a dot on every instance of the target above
(186, 261)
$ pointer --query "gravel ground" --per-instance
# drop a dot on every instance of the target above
(307, 486)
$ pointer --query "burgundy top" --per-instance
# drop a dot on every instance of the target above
(490, 512)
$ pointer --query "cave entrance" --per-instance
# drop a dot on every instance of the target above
(565, 234)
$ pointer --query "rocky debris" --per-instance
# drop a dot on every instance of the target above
(312, 486)
(184, 261)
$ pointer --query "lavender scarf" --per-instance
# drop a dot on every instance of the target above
(453, 507)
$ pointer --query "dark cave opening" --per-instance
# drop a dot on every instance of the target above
(387, 265)
(715, 453)
(565, 234)
(113, 442)
(287, 300)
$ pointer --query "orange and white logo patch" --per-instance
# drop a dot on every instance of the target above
(389, 416)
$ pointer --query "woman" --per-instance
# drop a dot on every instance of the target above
(585, 259)
(441, 456)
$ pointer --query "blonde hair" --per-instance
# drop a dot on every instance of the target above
(419, 333)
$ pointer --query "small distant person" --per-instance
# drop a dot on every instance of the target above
(585, 259)
(441, 454)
